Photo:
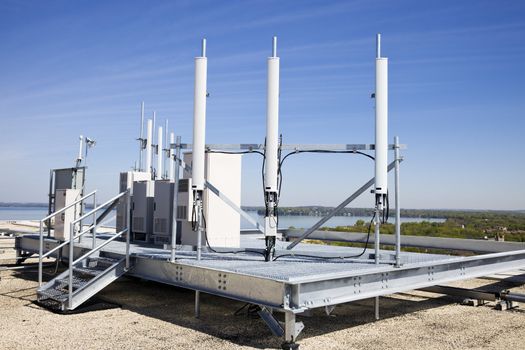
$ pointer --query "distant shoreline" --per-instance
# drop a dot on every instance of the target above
(322, 210)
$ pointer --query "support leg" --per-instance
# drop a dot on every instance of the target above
(291, 331)
(197, 304)
(376, 307)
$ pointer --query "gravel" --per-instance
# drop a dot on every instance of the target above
(155, 316)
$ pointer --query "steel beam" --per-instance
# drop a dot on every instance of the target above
(459, 244)
(289, 147)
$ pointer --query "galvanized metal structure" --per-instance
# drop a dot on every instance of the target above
(279, 276)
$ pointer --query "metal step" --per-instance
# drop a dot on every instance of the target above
(52, 293)
(100, 261)
(87, 281)
(88, 271)
(78, 282)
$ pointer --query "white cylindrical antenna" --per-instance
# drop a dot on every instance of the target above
(149, 138)
(160, 154)
(166, 153)
(381, 141)
(141, 135)
(81, 142)
(199, 120)
(272, 122)
(171, 161)
(203, 49)
(378, 45)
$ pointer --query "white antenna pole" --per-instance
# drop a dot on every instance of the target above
(166, 151)
(141, 135)
(381, 149)
(381, 141)
(272, 121)
(171, 161)
(271, 152)
(198, 149)
(149, 138)
(160, 154)
(79, 157)
(378, 45)
(199, 120)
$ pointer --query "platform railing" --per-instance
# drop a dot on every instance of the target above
(95, 248)
(41, 254)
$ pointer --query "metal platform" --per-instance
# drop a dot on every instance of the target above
(293, 284)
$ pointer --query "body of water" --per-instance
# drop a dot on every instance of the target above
(37, 213)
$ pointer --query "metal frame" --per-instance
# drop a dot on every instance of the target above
(296, 295)
(287, 147)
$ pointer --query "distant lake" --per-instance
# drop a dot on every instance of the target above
(297, 221)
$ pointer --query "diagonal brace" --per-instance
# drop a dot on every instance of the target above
(337, 209)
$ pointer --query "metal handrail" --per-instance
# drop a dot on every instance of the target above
(41, 238)
(99, 207)
(115, 236)
(72, 238)
(65, 242)
(69, 206)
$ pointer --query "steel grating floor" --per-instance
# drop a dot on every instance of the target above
(286, 269)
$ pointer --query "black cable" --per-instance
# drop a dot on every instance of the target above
(326, 151)
(241, 152)
(336, 257)
(387, 207)
(226, 252)
(262, 175)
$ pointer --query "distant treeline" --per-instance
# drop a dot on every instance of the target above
(409, 213)
(31, 205)
(507, 226)
(23, 205)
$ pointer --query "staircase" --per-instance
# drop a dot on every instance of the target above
(87, 280)
(88, 274)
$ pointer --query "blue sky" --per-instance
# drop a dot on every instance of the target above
(457, 91)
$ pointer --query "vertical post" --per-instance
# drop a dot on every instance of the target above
(171, 162)
(175, 199)
(166, 151)
(271, 152)
(200, 228)
(197, 304)
(71, 259)
(381, 147)
(149, 138)
(128, 227)
(79, 158)
(94, 243)
(160, 154)
(141, 144)
(398, 207)
(153, 142)
(199, 130)
(50, 203)
(40, 252)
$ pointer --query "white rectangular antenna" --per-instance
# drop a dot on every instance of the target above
(199, 120)
(166, 152)
(149, 138)
(171, 161)
(160, 155)
(381, 141)
(141, 136)
(272, 122)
